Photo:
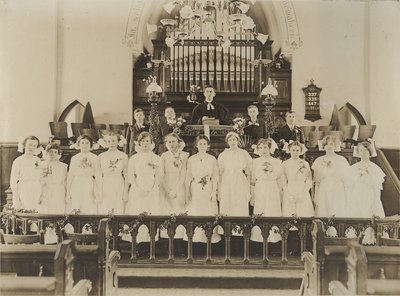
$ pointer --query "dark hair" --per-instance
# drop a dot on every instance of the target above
(53, 146)
(87, 137)
(201, 137)
(143, 135)
(30, 138)
(208, 86)
(138, 110)
(290, 112)
(329, 138)
(113, 134)
(174, 135)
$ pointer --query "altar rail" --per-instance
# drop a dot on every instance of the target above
(20, 223)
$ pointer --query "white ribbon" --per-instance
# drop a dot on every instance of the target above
(210, 106)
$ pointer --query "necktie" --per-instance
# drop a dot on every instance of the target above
(210, 106)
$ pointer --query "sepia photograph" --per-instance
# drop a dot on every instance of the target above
(199, 147)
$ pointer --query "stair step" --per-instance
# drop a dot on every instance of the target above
(206, 278)
(204, 292)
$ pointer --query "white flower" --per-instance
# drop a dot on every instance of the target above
(186, 12)
(170, 42)
(248, 23)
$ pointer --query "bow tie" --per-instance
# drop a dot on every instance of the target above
(254, 123)
(210, 106)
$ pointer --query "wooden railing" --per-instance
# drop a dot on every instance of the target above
(20, 223)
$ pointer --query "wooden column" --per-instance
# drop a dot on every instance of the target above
(190, 233)
(228, 235)
(265, 234)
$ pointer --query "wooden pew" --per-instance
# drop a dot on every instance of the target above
(62, 283)
(94, 261)
(327, 261)
(359, 262)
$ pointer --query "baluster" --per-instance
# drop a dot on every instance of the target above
(303, 237)
(25, 226)
(191, 58)
(218, 67)
(379, 233)
(284, 229)
(228, 235)
(153, 231)
(396, 229)
(197, 65)
(134, 234)
(342, 229)
(13, 223)
(203, 66)
(8, 222)
(190, 233)
(246, 242)
(171, 234)
(232, 69)
(265, 234)
(225, 70)
(209, 232)
(252, 72)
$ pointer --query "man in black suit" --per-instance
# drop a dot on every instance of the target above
(254, 127)
(135, 129)
(290, 131)
(210, 109)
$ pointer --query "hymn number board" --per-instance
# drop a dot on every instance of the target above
(312, 101)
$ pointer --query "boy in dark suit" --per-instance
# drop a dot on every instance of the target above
(254, 127)
(290, 131)
(135, 129)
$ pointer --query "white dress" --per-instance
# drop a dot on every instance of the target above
(144, 175)
(172, 189)
(202, 177)
(114, 165)
(365, 195)
(234, 192)
(54, 181)
(25, 182)
(331, 174)
(266, 174)
(298, 182)
(84, 182)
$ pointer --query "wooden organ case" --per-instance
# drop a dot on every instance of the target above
(235, 71)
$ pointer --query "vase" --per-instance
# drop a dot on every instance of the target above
(314, 136)
(59, 129)
(365, 132)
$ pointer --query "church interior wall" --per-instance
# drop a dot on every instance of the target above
(344, 51)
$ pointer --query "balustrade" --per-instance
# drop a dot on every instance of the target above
(23, 223)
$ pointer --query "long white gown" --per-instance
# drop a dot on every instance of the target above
(25, 182)
(114, 166)
(202, 175)
(331, 174)
(54, 182)
(84, 182)
(365, 195)
(172, 189)
(144, 175)
(234, 192)
(298, 180)
(266, 174)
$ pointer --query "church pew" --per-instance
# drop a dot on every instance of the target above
(358, 262)
(60, 284)
(327, 261)
(94, 261)
(96, 248)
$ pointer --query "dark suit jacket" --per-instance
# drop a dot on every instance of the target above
(220, 112)
(132, 134)
(255, 131)
(286, 134)
(164, 128)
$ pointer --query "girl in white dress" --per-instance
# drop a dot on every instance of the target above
(54, 181)
(25, 176)
(144, 177)
(331, 177)
(365, 196)
(266, 181)
(114, 167)
(84, 178)
(201, 187)
(297, 183)
(172, 189)
(234, 166)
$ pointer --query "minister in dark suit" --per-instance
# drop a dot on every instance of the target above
(290, 131)
(210, 109)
